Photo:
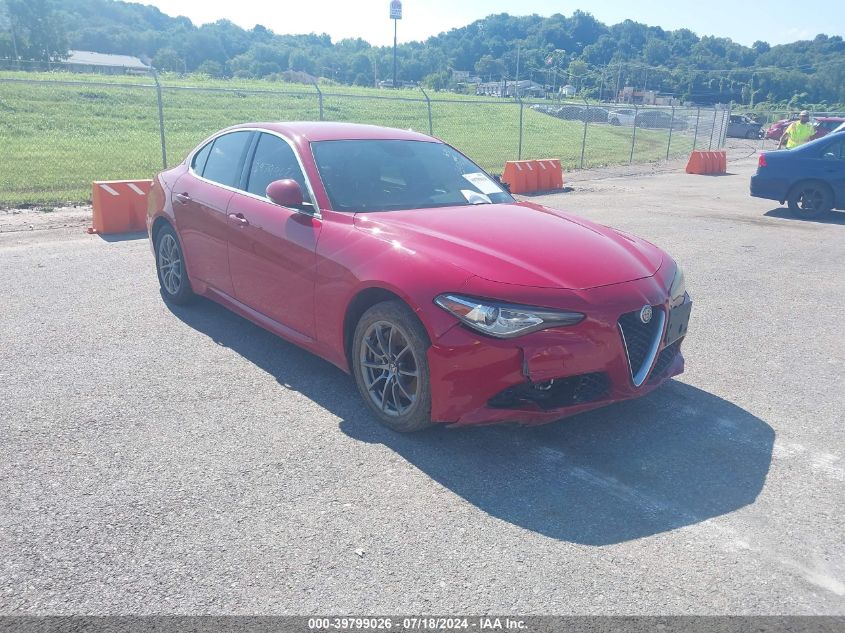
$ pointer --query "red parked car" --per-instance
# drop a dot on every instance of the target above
(393, 256)
(824, 126)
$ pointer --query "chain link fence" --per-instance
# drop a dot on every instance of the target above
(62, 131)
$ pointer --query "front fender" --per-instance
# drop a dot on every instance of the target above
(350, 261)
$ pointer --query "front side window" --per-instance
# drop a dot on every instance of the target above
(386, 175)
(273, 160)
(226, 157)
(834, 151)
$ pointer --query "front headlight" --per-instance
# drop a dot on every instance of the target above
(678, 288)
(504, 320)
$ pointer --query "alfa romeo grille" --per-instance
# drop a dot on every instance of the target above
(664, 361)
(641, 341)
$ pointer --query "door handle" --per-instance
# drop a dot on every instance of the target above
(238, 219)
(184, 198)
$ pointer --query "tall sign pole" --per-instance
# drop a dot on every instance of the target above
(395, 15)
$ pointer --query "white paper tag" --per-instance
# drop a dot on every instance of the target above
(473, 197)
(483, 183)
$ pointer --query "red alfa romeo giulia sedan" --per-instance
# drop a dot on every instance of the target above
(395, 257)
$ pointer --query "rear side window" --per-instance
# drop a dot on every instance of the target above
(226, 157)
(198, 164)
(273, 160)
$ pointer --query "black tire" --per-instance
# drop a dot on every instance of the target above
(170, 266)
(751, 134)
(614, 121)
(810, 199)
(383, 368)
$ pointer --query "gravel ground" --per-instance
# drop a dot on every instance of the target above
(161, 460)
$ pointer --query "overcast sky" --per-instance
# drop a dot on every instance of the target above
(774, 21)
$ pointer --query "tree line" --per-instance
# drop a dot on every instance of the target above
(595, 58)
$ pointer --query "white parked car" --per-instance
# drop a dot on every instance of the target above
(623, 116)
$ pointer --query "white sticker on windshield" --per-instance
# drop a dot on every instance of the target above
(483, 183)
(473, 197)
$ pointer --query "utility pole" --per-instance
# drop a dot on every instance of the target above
(375, 69)
(14, 40)
(618, 78)
(752, 90)
(601, 89)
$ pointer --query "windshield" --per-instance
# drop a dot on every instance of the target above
(386, 175)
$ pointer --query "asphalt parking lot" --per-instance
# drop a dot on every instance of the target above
(158, 460)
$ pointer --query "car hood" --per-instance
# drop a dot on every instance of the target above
(521, 243)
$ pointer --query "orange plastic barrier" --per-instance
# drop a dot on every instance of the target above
(557, 173)
(120, 206)
(531, 175)
(527, 176)
(513, 176)
(544, 175)
(701, 162)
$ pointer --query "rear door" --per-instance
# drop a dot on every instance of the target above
(272, 249)
(200, 200)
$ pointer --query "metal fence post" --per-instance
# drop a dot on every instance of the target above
(584, 138)
(671, 124)
(428, 103)
(160, 119)
(695, 134)
(521, 106)
(726, 121)
(319, 98)
(634, 136)
(712, 129)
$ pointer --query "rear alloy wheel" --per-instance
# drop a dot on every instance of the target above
(170, 265)
(390, 366)
(810, 199)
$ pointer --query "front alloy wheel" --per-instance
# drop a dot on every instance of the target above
(390, 366)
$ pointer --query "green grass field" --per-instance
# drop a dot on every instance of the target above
(57, 138)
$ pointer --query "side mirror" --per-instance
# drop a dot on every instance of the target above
(286, 193)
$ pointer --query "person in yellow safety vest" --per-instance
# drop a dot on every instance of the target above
(798, 132)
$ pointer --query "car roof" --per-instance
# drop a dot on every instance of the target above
(840, 119)
(332, 131)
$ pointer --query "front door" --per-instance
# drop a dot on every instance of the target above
(272, 249)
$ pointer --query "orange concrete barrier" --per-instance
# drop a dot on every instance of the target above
(701, 162)
(120, 206)
(527, 176)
